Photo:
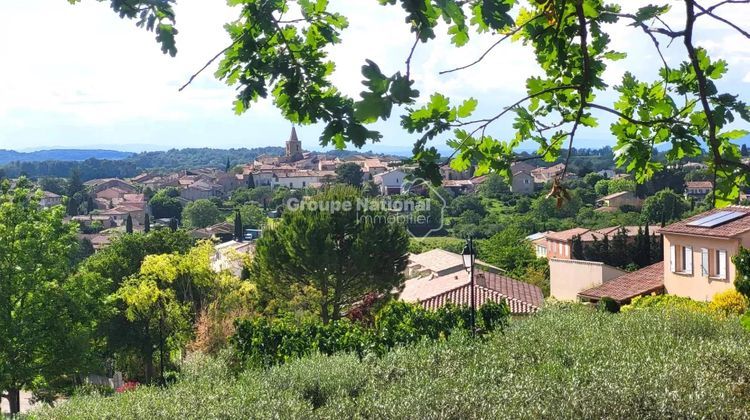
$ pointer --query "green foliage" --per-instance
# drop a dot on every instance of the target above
(663, 207)
(165, 205)
(340, 250)
(349, 173)
(741, 262)
(264, 342)
(508, 250)
(667, 303)
(48, 321)
(495, 186)
(420, 245)
(252, 216)
(201, 213)
(566, 362)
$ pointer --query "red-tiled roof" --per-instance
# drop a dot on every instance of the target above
(462, 296)
(512, 288)
(699, 184)
(566, 235)
(726, 230)
(523, 298)
(638, 283)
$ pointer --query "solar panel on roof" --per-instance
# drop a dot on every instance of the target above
(716, 219)
(708, 218)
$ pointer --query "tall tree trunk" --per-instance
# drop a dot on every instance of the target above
(14, 400)
(148, 354)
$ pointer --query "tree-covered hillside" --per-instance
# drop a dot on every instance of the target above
(7, 156)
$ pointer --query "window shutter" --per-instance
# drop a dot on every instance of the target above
(672, 258)
(704, 262)
(722, 264)
(689, 260)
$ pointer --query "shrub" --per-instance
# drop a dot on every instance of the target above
(266, 342)
(729, 302)
(566, 362)
(667, 302)
(607, 304)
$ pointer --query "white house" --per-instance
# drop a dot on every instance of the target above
(390, 182)
(50, 199)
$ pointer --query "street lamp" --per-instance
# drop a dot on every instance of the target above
(468, 255)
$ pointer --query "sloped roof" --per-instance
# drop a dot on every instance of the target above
(566, 235)
(726, 230)
(638, 283)
(462, 296)
(617, 194)
(699, 184)
(512, 288)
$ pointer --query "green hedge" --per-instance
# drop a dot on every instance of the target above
(264, 342)
(566, 362)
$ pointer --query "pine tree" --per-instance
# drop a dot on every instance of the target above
(147, 224)
(238, 231)
(129, 224)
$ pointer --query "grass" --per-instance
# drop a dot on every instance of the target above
(566, 362)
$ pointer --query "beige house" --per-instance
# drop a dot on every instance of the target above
(570, 277)
(619, 199)
(697, 262)
(522, 182)
(698, 252)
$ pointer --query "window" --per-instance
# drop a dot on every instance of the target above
(721, 264)
(705, 266)
(681, 259)
(526, 181)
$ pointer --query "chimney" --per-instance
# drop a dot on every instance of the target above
(480, 280)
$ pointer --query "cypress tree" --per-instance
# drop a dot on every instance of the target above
(129, 224)
(147, 224)
(238, 231)
(173, 224)
(226, 169)
(646, 246)
(577, 248)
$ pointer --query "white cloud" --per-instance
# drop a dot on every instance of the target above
(74, 73)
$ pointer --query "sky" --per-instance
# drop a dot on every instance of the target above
(78, 76)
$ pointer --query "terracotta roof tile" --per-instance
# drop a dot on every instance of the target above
(566, 235)
(462, 296)
(644, 281)
(699, 184)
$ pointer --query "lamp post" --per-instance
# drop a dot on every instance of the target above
(468, 257)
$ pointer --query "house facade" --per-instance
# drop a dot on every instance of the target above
(391, 182)
(698, 189)
(570, 277)
(619, 199)
(698, 252)
(522, 183)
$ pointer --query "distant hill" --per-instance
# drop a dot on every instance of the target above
(65, 155)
